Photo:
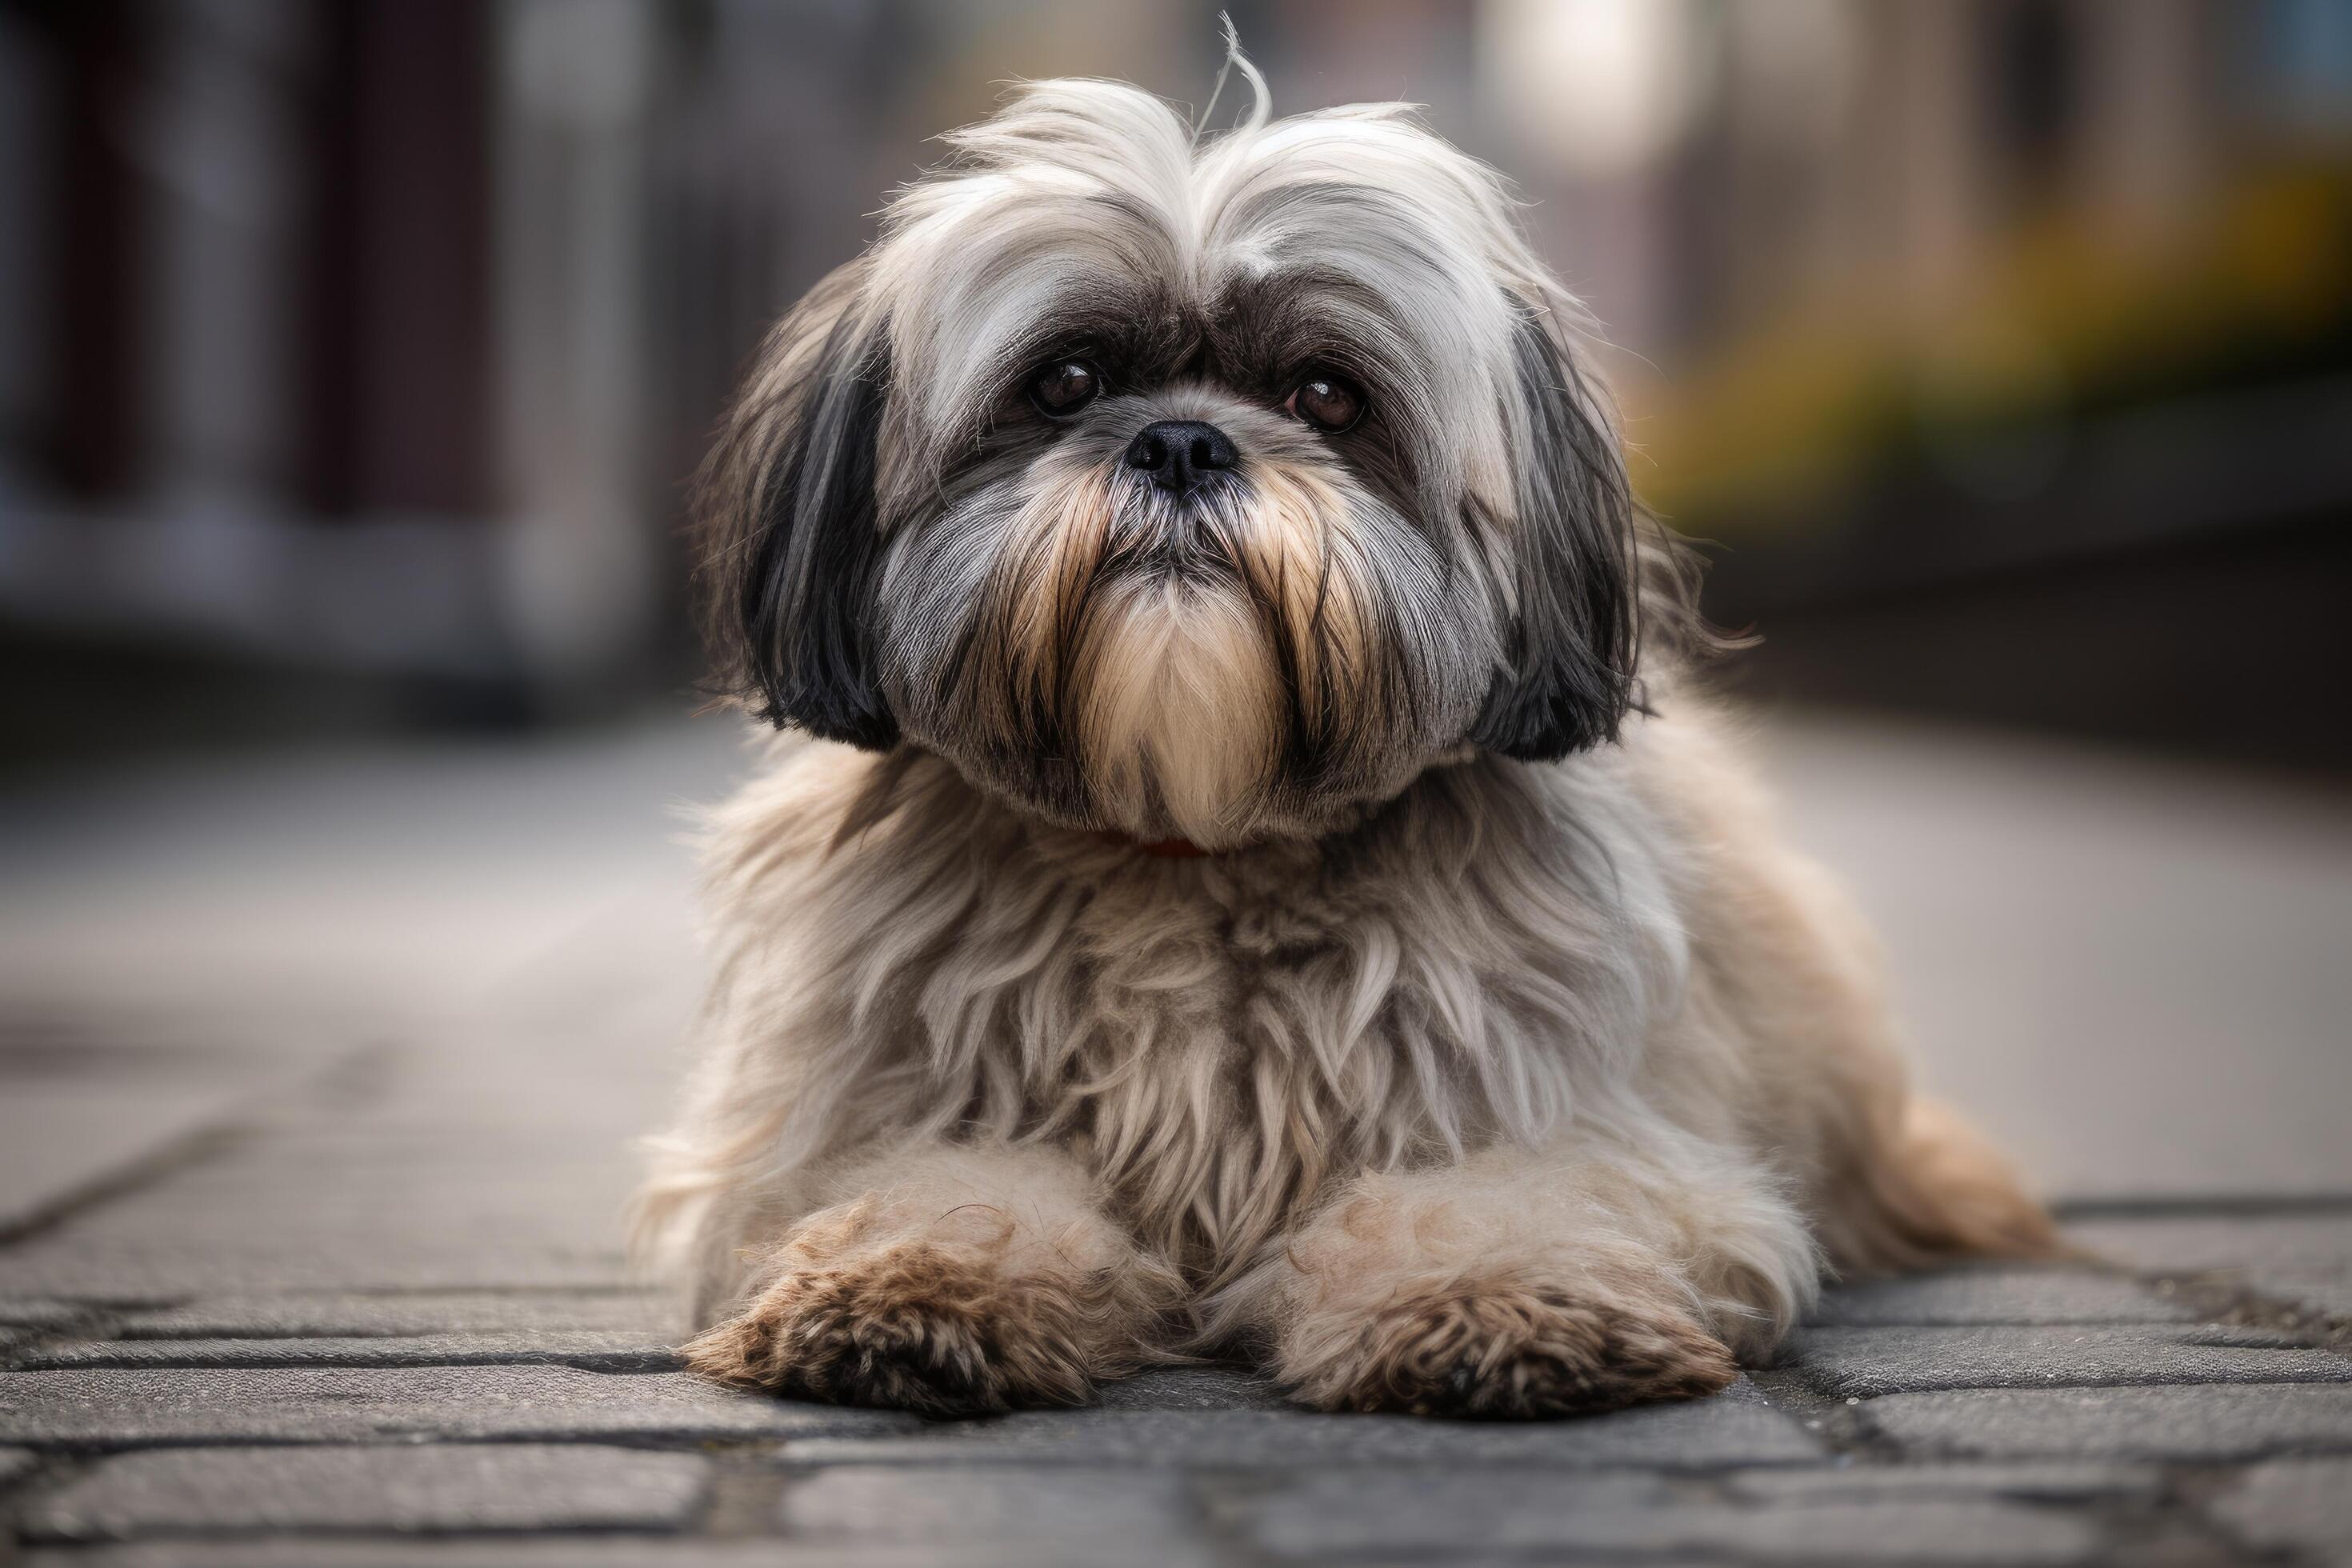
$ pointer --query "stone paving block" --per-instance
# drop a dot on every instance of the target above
(2201, 1423)
(1443, 1515)
(334, 1207)
(1736, 1427)
(1101, 1516)
(126, 1409)
(2291, 1505)
(1996, 1295)
(652, 1315)
(2049, 1483)
(1194, 1388)
(598, 1352)
(1868, 1361)
(2302, 1258)
(395, 1487)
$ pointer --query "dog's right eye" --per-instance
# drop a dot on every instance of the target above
(1061, 390)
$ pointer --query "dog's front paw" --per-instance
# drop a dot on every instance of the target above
(911, 1327)
(1509, 1351)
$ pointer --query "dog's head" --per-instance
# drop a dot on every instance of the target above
(1190, 488)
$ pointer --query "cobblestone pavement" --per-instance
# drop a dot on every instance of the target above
(315, 1083)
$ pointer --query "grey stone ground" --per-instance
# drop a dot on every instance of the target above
(315, 1082)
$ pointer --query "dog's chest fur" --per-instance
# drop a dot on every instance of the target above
(1219, 1036)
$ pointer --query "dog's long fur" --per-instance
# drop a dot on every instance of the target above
(1496, 1058)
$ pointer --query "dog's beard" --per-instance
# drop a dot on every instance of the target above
(1207, 667)
(1179, 707)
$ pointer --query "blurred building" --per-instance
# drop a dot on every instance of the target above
(333, 353)
(2005, 348)
(353, 353)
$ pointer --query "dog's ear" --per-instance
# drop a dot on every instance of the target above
(785, 510)
(1572, 628)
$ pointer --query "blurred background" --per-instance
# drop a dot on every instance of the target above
(353, 353)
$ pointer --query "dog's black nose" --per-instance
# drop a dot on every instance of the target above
(1180, 454)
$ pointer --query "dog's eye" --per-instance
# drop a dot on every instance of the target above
(1330, 403)
(1061, 390)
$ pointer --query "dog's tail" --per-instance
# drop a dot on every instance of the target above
(1935, 1190)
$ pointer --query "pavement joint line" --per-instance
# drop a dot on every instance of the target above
(194, 1147)
(198, 1146)
(90, 1328)
(2225, 1302)
(1830, 1417)
(2173, 1514)
(2284, 1448)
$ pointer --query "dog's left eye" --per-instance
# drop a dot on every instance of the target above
(1061, 390)
(1330, 403)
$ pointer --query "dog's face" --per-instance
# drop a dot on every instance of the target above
(1190, 491)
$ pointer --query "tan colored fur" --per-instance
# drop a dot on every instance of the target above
(1670, 1209)
(1901, 1182)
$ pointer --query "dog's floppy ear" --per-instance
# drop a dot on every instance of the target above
(785, 508)
(1571, 639)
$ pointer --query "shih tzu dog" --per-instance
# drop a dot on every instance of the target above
(1263, 884)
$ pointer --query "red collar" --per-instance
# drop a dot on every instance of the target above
(1158, 848)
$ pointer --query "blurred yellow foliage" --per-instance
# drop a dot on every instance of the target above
(2065, 311)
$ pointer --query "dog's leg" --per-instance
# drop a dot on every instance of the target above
(947, 1278)
(1521, 1285)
